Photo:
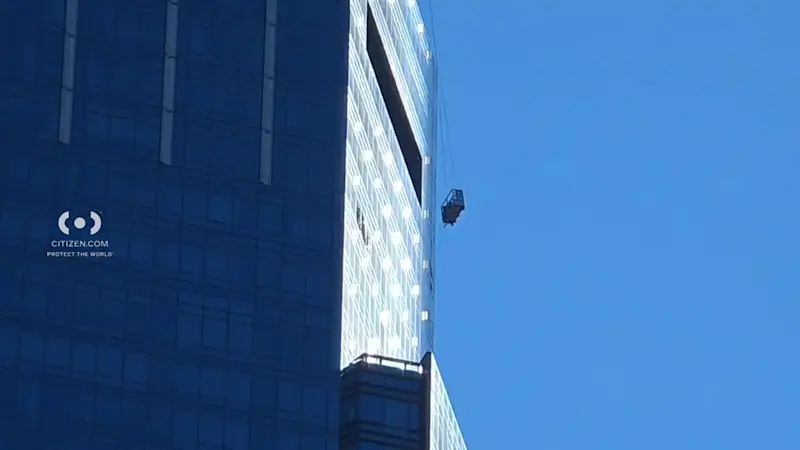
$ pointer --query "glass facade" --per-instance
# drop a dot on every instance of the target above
(390, 235)
(383, 405)
(445, 433)
(390, 403)
(208, 139)
(389, 207)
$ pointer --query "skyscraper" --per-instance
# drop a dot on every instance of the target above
(393, 393)
(393, 404)
(389, 188)
(195, 239)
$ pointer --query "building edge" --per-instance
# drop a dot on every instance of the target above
(445, 431)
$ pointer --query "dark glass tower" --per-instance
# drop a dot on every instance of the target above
(384, 405)
(208, 139)
(389, 403)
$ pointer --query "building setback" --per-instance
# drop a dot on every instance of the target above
(392, 404)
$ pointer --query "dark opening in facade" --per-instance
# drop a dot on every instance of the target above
(394, 104)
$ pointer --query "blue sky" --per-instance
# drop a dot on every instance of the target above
(627, 273)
